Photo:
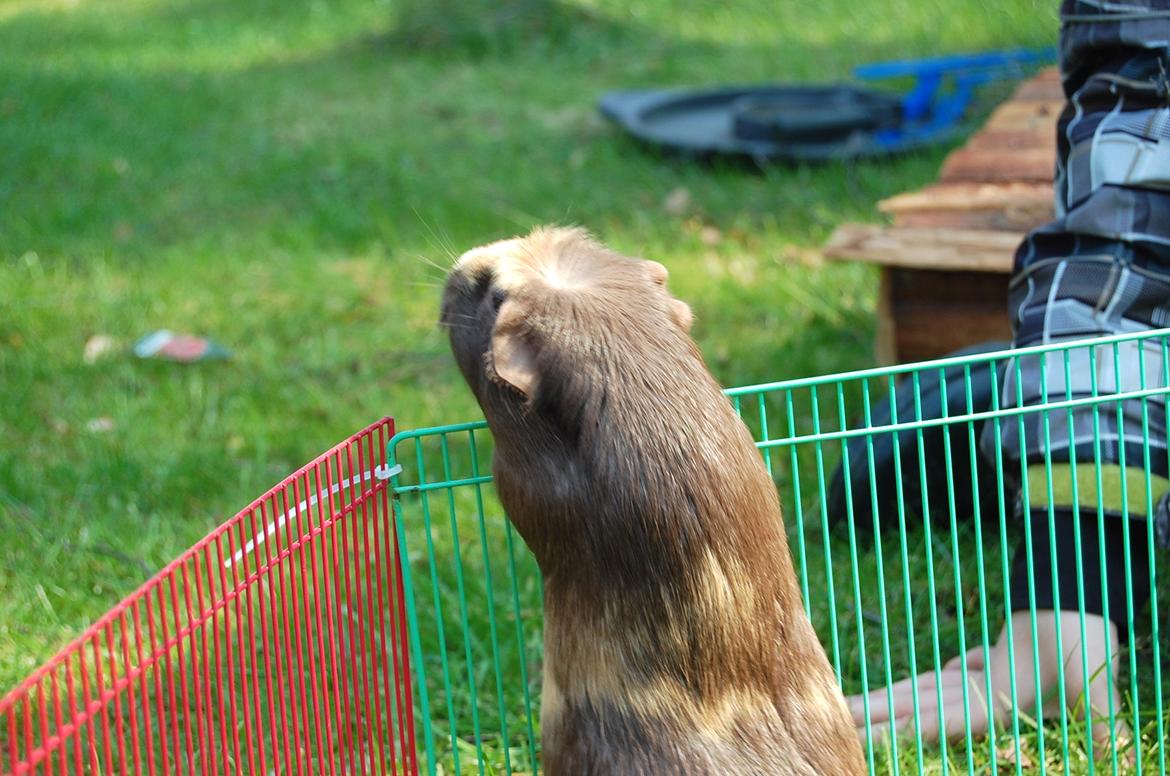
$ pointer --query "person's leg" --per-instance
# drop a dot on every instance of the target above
(1083, 661)
(1093, 622)
(947, 686)
(1101, 268)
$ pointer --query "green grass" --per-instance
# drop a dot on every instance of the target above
(292, 178)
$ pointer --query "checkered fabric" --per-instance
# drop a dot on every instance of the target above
(1103, 266)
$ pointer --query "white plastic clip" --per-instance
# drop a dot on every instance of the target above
(386, 472)
(380, 472)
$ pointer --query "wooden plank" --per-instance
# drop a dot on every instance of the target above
(967, 195)
(1015, 206)
(954, 249)
(1024, 115)
(1017, 221)
(921, 334)
(978, 164)
(1039, 92)
(1016, 139)
(934, 287)
(934, 313)
(1045, 85)
(885, 339)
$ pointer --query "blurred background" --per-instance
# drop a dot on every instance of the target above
(291, 180)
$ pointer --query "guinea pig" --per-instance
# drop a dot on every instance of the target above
(675, 640)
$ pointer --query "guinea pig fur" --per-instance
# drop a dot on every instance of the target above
(675, 639)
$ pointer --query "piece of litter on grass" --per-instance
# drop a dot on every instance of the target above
(184, 348)
(99, 425)
(710, 236)
(677, 202)
(1006, 753)
(97, 347)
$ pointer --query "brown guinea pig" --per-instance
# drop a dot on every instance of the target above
(675, 641)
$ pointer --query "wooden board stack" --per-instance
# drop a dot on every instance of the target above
(947, 258)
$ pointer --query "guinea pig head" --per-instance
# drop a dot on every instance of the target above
(562, 341)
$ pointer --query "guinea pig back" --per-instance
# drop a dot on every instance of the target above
(675, 639)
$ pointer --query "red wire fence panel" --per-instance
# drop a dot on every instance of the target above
(276, 645)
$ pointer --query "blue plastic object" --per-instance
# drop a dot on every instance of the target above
(927, 110)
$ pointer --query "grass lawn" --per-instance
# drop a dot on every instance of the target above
(291, 179)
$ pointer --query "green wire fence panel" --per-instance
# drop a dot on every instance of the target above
(904, 556)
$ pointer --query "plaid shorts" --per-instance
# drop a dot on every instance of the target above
(1103, 266)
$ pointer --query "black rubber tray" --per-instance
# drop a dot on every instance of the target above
(765, 123)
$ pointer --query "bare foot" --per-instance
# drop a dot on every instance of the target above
(988, 679)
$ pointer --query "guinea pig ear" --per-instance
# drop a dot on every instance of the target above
(513, 358)
(680, 311)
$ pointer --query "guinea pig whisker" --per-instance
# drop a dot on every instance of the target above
(449, 324)
(442, 244)
(422, 259)
(568, 211)
(512, 212)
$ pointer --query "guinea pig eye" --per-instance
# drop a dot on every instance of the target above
(498, 297)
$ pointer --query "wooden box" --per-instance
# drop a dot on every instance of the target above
(947, 258)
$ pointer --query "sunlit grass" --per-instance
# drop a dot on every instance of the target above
(291, 178)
